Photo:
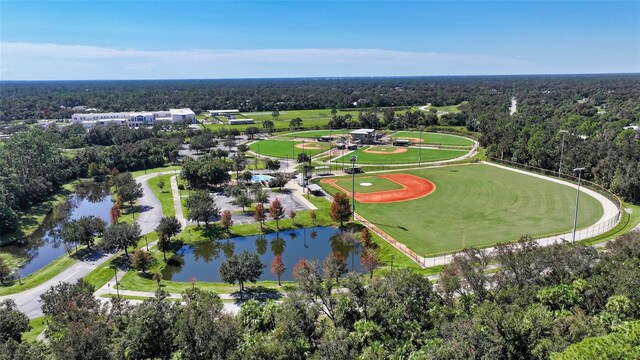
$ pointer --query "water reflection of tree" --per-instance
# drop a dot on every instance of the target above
(277, 245)
(206, 250)
(92, 192)
(174, 266)
(344, 243)
(228, 248)
(261, 245)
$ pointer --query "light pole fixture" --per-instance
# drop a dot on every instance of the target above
(575, 217)
(353, 160)
(421, 127)
(563, 132)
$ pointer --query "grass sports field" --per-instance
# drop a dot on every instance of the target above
(476, 205)
(369, 184)
(392, 155)
(284, 148)
(317, 133)
(430, 138)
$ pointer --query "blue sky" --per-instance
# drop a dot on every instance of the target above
(213, 39)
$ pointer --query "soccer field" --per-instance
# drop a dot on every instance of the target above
(386, 155)
(476, 205)
(284, 148)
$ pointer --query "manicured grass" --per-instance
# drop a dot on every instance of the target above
(410, 156)
(155, 170)
(317, 133)
(165, 195)
(448, 108)
(37, 326)
(283, 148)
(377, 184)
(38, 277)
(478, 205)
(628, 222)
(430, 138)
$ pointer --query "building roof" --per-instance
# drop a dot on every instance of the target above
(362, 131)
(184, 111)
(314, 187)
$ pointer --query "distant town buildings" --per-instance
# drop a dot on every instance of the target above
(134, 119)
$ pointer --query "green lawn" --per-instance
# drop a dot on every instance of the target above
(37, 326)
(430, 138)
(284, 148)
(377, 184)
(478, 205)
(410, 156)
(317, 133)
(38, 277)
(165, 195)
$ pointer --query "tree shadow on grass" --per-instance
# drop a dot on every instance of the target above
(258, 292)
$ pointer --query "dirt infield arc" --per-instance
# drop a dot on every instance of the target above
(372, 150)
(413, 187)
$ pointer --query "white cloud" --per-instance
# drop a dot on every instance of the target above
(25, 61)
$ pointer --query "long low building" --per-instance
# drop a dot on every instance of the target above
(134, 119)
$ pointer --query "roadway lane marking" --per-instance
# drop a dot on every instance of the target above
(70, 275)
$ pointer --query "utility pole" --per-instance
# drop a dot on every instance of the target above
(563, 132)
(353, 185)
(575, 217)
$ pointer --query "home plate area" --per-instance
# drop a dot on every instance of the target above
(385, 188)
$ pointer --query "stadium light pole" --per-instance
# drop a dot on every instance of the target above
(575, 216)
(353, 160)
(563, 132)
(421, 127)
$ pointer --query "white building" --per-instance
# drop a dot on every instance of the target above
(241, 121)
(134, 119)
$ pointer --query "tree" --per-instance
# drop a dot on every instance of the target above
(272, 165)
(277, 267)
(275, 113)
(226, 220)
(246, 176)
(201, 207)
(243, 200)
(141, 260)
(260, 196)
(168, 227)
(114, 213)
(150, 333)
(83, 230)
(314, 217)
(340, 208)
(5, 270)
(204, 330)
(130, 192)
(260, 215)
(12, 322)
(157, 276)
(276, 211)
(295, 124)
(370, 259)
(292, 215)
(120, 236)
(241, 268)
(268, 125)
(303, 158)
(335, 265)
(161, 183)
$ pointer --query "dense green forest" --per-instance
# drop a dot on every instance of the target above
(535, 304)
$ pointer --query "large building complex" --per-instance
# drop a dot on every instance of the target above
(134, 119)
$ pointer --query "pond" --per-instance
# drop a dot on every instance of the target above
(202, 260)
(44, 245)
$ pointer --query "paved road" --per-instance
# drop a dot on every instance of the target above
(28, 300)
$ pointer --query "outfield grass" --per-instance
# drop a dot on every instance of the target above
(478, 205)
(430, 138)
(284, 148)
(317, 133)
(377, 184)
(407, 157)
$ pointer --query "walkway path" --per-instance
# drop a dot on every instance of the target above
(28, 301)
